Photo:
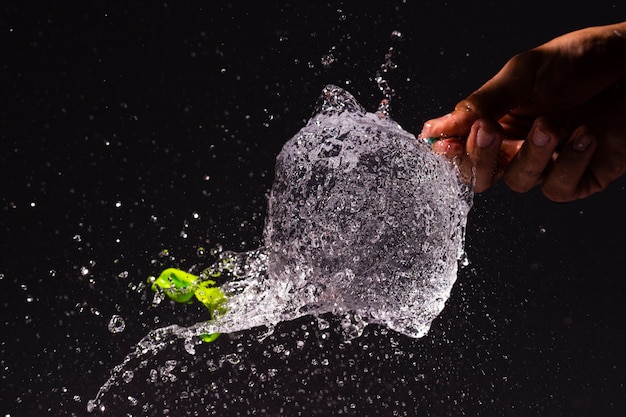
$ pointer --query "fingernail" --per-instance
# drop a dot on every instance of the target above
(581, 142)
(484, 139)
(426, 130)
(540, 138)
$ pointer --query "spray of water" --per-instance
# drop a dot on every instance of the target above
(364, 221)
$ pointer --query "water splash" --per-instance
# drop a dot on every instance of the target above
(364, 221)
(382, 76)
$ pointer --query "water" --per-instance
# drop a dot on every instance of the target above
(364, 218)
(116, 324)
(363, 222)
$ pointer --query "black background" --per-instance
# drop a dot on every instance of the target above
(129, 129)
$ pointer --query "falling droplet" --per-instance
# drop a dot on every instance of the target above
(116, 324)
(128, 375)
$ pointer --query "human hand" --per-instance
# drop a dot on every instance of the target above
(553, 115)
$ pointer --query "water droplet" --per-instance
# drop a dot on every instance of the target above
(91, 406)
(216, 250)
(352, 326)
(396, 35)
(190, 346)
(128, 375)
(116, 324)
(327, 60)
(159, 296)
(322, 324)
(165, 371)
(232, 358)
(211, 365)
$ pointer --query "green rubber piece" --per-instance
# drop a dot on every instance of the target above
(178, 285)
(211, 296)
(181, 287)
(209, 337)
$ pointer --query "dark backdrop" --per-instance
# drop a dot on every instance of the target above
(127, 130)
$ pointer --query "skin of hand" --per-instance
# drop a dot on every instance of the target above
(554, 115)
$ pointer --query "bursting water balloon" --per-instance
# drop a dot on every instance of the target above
(365, 218)
(363, 221)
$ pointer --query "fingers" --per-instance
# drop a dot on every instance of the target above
(570, 177)
(578, 159)
(527, 168)
(451, 148)
(459, 122)
(483, 147)
(481, 159)
(576, 171)
(564, 177)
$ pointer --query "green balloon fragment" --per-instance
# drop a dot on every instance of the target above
(181, 287)
(431, 140)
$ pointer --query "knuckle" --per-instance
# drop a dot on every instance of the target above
(523, 179)
(529, 58)
(517, 185)
(556, 194)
